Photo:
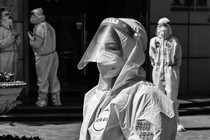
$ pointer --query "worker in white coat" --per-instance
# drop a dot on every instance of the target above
(123, 106)
(166, 56)
(9, 43)
(43, 42)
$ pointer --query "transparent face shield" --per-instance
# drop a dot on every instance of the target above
(163, 31)
(34, 17)
(105, 48)
(7, 20)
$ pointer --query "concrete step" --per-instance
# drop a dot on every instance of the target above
(199, 110)
(71, 110)
(194, 106)
(61, 117)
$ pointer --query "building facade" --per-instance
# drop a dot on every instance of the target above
(76, 23)
(190, 21)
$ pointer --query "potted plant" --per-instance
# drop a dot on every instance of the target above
(9, 91)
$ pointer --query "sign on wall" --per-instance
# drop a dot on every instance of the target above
(190, 21)
(181, 11)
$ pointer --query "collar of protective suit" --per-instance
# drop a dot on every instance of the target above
(123, 116)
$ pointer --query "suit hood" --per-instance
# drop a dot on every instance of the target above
(133, 41)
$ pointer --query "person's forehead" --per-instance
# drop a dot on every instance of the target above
(33, 13)
(163, 27)
(106, 34)
(6, 13)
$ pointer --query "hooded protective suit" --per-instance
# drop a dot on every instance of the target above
(123, 105)
(9, 42)
(43, 42)
(166, 57)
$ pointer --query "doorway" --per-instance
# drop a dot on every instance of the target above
(69, 22)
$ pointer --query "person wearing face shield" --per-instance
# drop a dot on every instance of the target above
(166, 56)
(123, 106)
(9, 42)
(43, 42)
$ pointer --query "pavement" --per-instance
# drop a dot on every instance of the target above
(197, 128)
(194, 115)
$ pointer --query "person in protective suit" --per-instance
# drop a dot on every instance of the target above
(43, 42)
(9, 42)
(123, 105)
(166, 56)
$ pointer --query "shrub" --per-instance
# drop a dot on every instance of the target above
(11, 137)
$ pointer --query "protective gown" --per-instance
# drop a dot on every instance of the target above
(166, 57)
(46, 59)
(132, 109)
(8, 46)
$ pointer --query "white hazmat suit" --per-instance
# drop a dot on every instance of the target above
(123, 106)
(43, 42)
(9, 42)
(166, 58)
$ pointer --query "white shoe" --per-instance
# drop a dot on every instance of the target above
(41, 104)
(180, 128)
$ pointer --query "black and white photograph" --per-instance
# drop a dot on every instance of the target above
(104, 70)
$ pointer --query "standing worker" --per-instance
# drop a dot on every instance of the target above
(166, 56)
(123, 106)
(9, 42)
(43, 42)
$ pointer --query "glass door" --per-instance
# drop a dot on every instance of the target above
(69, 22)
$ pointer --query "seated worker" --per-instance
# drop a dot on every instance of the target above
(123, 106)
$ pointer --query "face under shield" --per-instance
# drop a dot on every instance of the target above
(163, 31)
(8, 15)
(37, 16)
(7, 20)
(33, 18)
(105, 48)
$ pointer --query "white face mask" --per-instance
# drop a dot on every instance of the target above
(109, 59)
(111, 69)
(7, 22)
(163, 32)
